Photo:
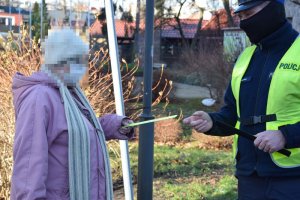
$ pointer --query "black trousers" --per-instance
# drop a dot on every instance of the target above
(268, 188)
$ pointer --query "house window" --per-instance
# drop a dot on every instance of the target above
(9, 22)
(2, 21)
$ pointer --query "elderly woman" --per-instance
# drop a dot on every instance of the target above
(59, 146)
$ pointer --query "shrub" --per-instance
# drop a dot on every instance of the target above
(168, 131)
(17, 56)
(206, 67)
(161, 85)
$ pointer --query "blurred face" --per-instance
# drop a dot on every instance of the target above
(246, 14)
(71, 70)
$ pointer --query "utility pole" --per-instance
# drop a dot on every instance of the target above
(41, 28)
(10, 19)
(146, 137)
(30, 22)
(117, 83)
(137, 27)
(70, 13)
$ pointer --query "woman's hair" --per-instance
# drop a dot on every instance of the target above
(61, 45)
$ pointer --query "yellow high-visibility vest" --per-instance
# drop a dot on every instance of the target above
(283, 98)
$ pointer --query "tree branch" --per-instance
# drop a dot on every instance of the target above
(296, 2)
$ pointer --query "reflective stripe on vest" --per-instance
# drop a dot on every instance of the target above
(283, 98)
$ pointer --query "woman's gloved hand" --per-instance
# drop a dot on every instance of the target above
(126, 130)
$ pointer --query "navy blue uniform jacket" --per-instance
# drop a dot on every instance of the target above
(253, 100)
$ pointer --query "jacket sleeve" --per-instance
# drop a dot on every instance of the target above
(111, 123)
(227, 114)
(30, 152)
(292, 135)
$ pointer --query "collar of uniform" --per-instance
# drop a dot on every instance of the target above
(279, 38)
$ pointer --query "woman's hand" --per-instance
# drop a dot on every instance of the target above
(126, 130)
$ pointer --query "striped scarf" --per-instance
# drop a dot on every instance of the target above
(79, 147)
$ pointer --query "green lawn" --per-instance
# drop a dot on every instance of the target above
(190, 173)
(184, 171)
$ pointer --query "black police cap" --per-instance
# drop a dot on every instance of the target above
(248, 4)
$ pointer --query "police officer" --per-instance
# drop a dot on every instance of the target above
(263, 98)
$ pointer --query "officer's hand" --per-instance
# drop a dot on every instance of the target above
(200, 121)
(270, 141)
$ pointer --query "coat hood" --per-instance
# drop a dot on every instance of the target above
(22, 85)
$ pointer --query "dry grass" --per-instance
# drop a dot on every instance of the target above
(16, 57)
(212, 142)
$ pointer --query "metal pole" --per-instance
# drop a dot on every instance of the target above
(41, 20)
(20, 18)
(88, 13)
(10, 19)
(30, 22)
(87, 30)
(70, 13)
(117, 83)
(146, 137)
(137, 26)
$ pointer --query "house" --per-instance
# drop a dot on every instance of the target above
(292, 8)
(124, 33)
(12, 18)
(124, 30)
(210, 34)
(171, 40)
(168, 40)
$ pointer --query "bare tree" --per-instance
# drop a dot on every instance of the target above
(177, 18)
(66, 16)
(296, 2)
(137, 27)
(213, 5)
(198, 30)
(4, 2)
(167, 11)
(228, 12)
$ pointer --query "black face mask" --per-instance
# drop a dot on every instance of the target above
(265, 22)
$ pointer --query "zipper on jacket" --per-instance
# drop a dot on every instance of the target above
(256, 101)
(260, 46)
(98, 164)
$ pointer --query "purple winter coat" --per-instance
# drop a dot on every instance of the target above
(40, 152)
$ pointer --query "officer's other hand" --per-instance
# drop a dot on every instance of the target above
(200, 121)
(270, 141)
